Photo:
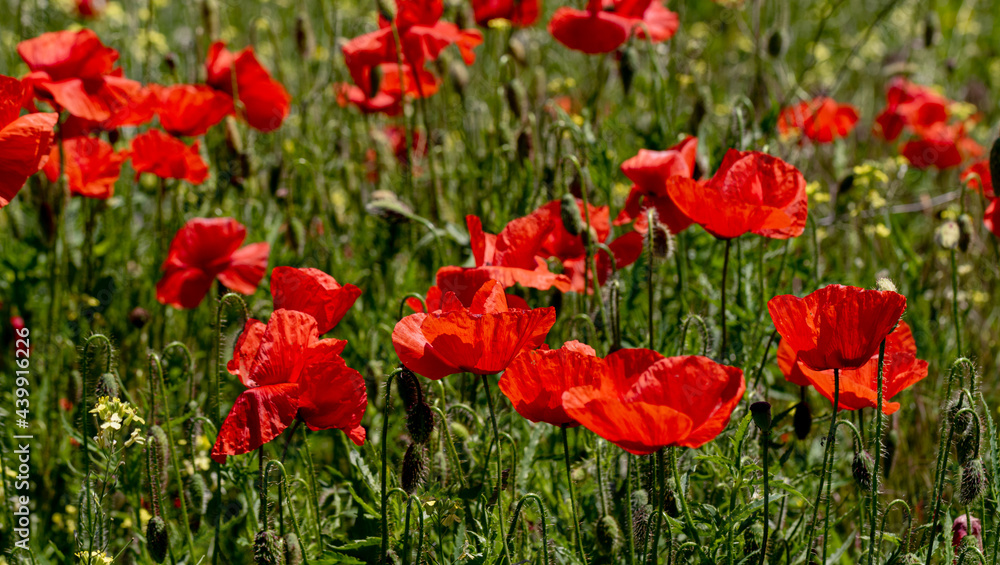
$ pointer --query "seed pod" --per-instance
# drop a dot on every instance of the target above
(420, 422)
(157, 541)
(268, 549)
(761, 412)
(973, 481)
(862, 468)
(776, 44)
(965, 229)
(409, 389)
(414, 467)
(571, 218)
(802, 420)
(293, 551)
(107, 385)
(628, 64)
(608, 534)
(517, 98)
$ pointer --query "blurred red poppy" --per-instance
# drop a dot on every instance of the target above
(591, 31)
(68, 54)
(643, 15)
(263, 102)
(911, 106)
(482, 339)
(92, 166)
(943, 146)
(836, 327)
(206, 249)
(289, 373)
(978, 177)
(642, 401)
(314, 292)
(536, 380)
(751, 192)
(90, 8)
(511, 257)
(24, 140)
(651, 172)
(859, 387)
(821, 119)
(189, 110)
(167, 157)
(521, 13)
(991, 217)
(390, 85)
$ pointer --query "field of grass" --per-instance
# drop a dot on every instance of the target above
(377, 459)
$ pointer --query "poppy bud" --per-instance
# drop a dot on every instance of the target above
(420, 422)
(965, 230)
(516, 49)
(862, 468)
(571, 218)
(930, 31)
(409, 389)
(885, 284)
(107, 385)
(608, 534)
(387, 9)
(542, 86)
(802, 420)
(973, 481)
(161, 451)
(776, 44)
(305, 39)
(641, 510)
(138, 317)
(268, 549)
(387, 206)
(761, 412)
(752, 537)
(459, 77)
(670, 504)
(525, 144)
(947, 235)
(663, 240)
(517, 98)
(197, 493)
(157, 540)
(414, 467)
(293, 551)
(628, 64)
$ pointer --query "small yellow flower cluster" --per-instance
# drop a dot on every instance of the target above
(114, 414)
(95, 557)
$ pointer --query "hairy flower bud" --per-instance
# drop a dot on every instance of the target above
(293, 551)
(761, 412)
(965, 230)
(973, 481)
(414, 467)
(420, 422)
(517, 98)
(268, 549)
(409, 389)
(861, 469)
(387, 9)
(802, 420)
(571, 218)
(157, 541)
(608, 534)
(107, 385)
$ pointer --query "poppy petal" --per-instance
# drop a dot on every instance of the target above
(259, 415)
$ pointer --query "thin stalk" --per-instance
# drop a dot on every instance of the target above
(572, 495)
(628, 510)
(682, 498)
(831, 441)
(954, 303)
(765, 440)
(725, 270)
(878, 454)
(496, 439)
(384, 556)
(661, 491)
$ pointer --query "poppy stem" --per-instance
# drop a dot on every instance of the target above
(765, 440)
(725, 270)
(572, 495)
(831, 441)
(496, 439)
(314, 498)
(878, 452)
(954, 304)
(649, 272)
(384, 556)
(628, 510)
(682, 498)
(661, 488)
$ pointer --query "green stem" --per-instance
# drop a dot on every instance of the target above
(541, 510)
(628, 510)
(831, 446)
(496, 439)
(682, 498)
(765, 440)
(572, 496)
(725, 270)
(878, 454)
(314, 492)
(384, 556)
(954, 303)
(661, 491)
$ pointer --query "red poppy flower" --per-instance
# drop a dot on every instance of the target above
(642, 401)
(206, 249)
(289, 373)
(390, 87)
(482, 339)
(590, 31)
(836, 327)
(264, 102)
(92, 166)
(821, 119)
(535, 381)
(314, 292)
(978, 177)
(911, 106)
(943, 147)
(24, 140)
(167, 157)
(90, 8)
(463, 283)
(651, 172)
(751, 192)
(521, 13)
(511, 257)
(645, 15)
(859, 387)
(190, 110)
(68, 54)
